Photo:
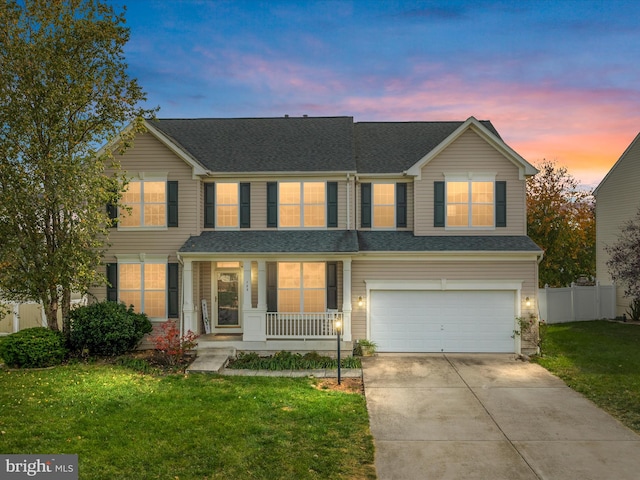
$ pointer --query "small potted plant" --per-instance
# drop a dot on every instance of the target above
(367, 347)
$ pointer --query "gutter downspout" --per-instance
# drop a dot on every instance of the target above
(348, 203)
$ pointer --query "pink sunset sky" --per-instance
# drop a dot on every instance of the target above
(560, 80)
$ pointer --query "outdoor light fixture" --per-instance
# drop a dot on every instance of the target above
(527, 302)
(360, 301)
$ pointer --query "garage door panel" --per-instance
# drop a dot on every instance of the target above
(442, 321)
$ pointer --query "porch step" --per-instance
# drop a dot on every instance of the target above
(211, 360)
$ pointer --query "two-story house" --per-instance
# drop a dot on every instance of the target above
(260, 233)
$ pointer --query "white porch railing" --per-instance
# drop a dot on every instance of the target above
(302, 325)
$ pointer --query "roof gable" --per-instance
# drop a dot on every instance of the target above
(394, 147)
(489, 135)
(622, 158)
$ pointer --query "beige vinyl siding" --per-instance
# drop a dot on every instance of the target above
(203, 292)
(470, 153)
(407, 269)
(149, 155)
(617, 201)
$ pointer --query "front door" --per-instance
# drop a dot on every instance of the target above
(228, 299)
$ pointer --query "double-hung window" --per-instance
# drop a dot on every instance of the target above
(302, 204)
(470, 203)
(301, 286)
(150, 202)
(144, 285)
(384, 205)
(227, 205)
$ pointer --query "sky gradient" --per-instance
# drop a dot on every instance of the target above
(560, 80)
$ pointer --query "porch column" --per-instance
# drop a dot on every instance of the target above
(262, 285)
(246, 299)
(188, 312)
(255, 328)
(346, 299)
(16, 317)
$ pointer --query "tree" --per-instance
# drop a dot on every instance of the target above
(624, 258)
(64, 91)
(561, 220)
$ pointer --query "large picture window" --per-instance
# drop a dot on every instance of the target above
(301, 287)
(147, 204)
(144, 285)
(470, 204)
(302, 204)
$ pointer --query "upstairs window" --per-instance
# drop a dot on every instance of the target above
(227, 205)
(384, 205)
(302, 204)
(147, 202)
(470, 204)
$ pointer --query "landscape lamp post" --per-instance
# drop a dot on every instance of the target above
(338, 326)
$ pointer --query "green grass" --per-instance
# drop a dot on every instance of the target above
(128, 425)
(600, 360)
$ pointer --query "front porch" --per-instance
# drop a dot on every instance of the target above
(238, 302)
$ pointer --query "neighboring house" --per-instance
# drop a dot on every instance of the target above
(617, 201)
(411, 234)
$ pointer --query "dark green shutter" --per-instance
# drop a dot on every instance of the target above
(245, 205)
(112, 282)
(272, 287)
(332, 204)
(365, 205)
(172, 204)
(332, 285)
(501, 204)
(438, 204)
(401, 204)
(172, 290)
(112, 212)
(272, 204)
(209, 205)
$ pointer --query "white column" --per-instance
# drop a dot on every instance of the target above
(246, 277)
(255, 326)
(346, 298)
(262, 285)
(188, 312)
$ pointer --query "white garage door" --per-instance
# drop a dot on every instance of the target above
(442, 321)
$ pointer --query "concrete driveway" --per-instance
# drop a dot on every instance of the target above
(485, 416)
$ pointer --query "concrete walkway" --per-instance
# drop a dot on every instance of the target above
(459, 416)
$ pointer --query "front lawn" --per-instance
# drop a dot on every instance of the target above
(600, 360)
(127, 425)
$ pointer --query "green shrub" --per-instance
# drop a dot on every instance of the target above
(33, 348)
(106, 329)
(290, 361)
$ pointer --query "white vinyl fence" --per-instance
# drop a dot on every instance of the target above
(577, 303)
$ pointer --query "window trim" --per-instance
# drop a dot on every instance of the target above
(394, 205)
(469, 178)
(147, 177)
(217, 205)
(301, 205)
(301, 288)
(141, 260)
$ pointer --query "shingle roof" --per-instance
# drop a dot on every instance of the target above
(273, 241)
(393, 147)
(348, 241)
(306, 144)
(283, 144)
(372, 241)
